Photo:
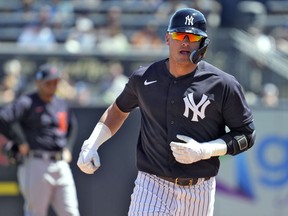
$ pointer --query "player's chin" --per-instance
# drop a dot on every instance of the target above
(184, 58)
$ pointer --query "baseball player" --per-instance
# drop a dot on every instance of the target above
(45, 129)
(185, 105)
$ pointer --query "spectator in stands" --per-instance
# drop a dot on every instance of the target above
(270, 95)
(28, 9)
(66, 88)
(82, 36)
(147, 38)
(12, 83)
(167, 8)
(112, 39)
(62, 13)
(114, 82)
(38, 34)
(83, 94)
(211, 9)
(280, 35)
(144, 6)
(263, 42)
(113, 16)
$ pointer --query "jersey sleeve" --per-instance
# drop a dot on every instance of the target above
(236, 111)
(15, 111)
(10, 116)
(128, 99)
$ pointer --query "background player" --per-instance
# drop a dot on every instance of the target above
(185, 104)
(45, 130)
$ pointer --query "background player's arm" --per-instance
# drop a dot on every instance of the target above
(72, 130)
(19, 138)
(71, 136)
(10, 116)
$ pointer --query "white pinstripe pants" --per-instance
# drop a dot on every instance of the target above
(154, 196)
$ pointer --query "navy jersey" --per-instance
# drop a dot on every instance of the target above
(199, 105)
(44, 126)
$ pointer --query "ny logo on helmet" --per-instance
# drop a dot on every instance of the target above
(198, 109)
(189, 20)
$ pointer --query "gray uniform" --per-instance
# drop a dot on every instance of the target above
(44, 177)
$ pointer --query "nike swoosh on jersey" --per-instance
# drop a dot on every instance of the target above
(149, 82)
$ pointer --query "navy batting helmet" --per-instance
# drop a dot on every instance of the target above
(188, 20)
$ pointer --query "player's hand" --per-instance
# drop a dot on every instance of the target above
(24, 149)
(88, 160)
(67, 156)
(189, 152)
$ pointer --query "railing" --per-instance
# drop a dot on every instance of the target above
(270, 58)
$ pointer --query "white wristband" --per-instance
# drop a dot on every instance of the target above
(100, 134)
(217, 147)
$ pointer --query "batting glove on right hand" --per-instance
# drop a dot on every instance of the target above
(88, 160)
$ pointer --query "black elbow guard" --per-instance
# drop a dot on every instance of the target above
(240, 140)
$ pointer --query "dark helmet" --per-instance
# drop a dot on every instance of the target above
(188, 20)
(48, 72)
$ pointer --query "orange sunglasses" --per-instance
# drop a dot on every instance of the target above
(181, 35)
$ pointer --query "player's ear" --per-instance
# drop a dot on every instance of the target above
(167, 38)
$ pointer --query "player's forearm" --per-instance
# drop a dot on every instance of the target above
(113, 118)
(108, 125)
(17, 134)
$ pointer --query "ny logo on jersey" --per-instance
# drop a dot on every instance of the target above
(189, 20)
(198, 109)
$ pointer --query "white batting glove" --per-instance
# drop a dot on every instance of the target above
(191, 151)
(88, 160)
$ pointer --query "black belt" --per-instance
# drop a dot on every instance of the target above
(45, 155)
(183, 181)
